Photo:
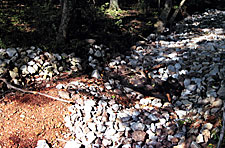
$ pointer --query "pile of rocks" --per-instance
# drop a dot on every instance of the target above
(33, 64)
(196, 58)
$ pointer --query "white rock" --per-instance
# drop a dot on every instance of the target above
(108, 86)
(195, 145)
(42, 144)
(181, 113)
(137, 126)
(170, 137)
(60, 86)
(127, 146)
(72, 144)
(172, 55)
(191, 87)
(177, 66)
(109, 132)
(153, 127)
(101, 128)
(187, 82)
(57, 56)
(92, 126)
(106, 142)
(98, 54)
(115, 107)
(95, 74)
(171, 68)
(153, 117)
(11, 52)
(217, 103)
(31, 69)
(200, 138)
(91, 137)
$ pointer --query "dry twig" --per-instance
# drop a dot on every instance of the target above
(34, 92)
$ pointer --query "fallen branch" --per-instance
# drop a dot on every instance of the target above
(223, 128)
(34, 92)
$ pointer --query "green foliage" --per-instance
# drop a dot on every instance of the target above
(175, 7)
(2, 45)
(215, 134)
(104, 7)
(184, 122)
(210, 146)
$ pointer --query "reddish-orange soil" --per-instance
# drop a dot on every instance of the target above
(27, 118)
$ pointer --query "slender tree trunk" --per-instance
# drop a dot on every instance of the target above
(67, 7)
(114, 5)
(176, 12)
(161, 23)
(158, 5)
(165, 13)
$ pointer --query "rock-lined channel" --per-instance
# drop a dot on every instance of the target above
(195, 57)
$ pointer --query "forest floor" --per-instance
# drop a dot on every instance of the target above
(28, 118)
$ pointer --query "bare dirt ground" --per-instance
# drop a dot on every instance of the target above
(27, 118)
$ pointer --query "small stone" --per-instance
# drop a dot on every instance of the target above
(200, 138)
(127, 146)
(91, 137)
(206, 134)
(214, 110)
(171, 68)
(11, 52)
(137, 126)
(170, 137)
(42, 144)
(60, 86)
(187, 82)
(177, 66)
(109, 133)
(72, 144)
(156, 102)
(64, 94)
(101, 128)
(181, 113)
(108, 86)
(13, 74)
(217, 103)
(58, 57)
(153, 117)
(31, 69)
(207, 126)
(98, 54)
(195, 145)
(95, 74)
(221, 92)
(92, 126)
(214, 71)
(172, 55)
(115, 107)
(106, 142)
(191, 87)
(138, 135)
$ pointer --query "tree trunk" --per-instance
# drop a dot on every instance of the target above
(67, 7)
(176, 12)
(158, 5)
(161, 23)
(114, 5)
(165, 13)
